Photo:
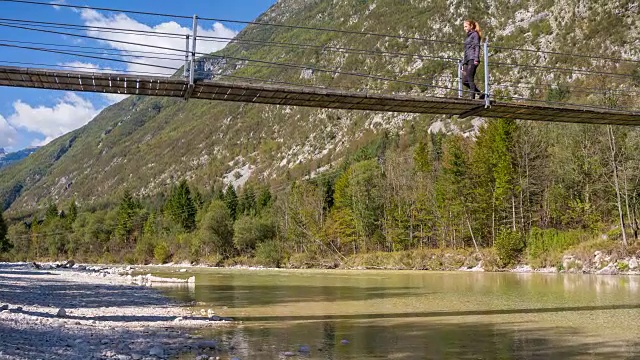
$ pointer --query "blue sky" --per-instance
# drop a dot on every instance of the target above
(34, 117)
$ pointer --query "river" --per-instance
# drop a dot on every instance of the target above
(420, 315)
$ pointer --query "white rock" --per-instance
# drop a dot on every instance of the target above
(633, 263)
(523, 269)
(183, 270)
(608, 270)
(191, 280)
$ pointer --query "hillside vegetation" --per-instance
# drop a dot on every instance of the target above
(148, 179)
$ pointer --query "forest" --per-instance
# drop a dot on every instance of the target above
(520, 191)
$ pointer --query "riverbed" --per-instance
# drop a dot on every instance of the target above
(314, 314)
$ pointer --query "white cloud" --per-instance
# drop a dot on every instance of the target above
(83, 66)
(54, 2)
(94, 18)
(7, 133)
(70, 113)
(114, 98)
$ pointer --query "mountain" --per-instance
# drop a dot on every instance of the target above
(10, 158)
(147, 144)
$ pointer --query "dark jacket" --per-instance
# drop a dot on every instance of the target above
(471, 47)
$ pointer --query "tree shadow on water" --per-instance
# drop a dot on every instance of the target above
(420, 340)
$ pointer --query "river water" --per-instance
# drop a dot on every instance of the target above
(420, 315)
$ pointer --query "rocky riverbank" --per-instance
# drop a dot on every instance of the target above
(49, 312)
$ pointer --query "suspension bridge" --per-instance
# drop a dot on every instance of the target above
(301, 96)
(273, 92)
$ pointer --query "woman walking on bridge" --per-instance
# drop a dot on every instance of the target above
(471, 58)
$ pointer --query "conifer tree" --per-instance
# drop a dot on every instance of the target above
(5, 245)
(125, 217)
(231, 200)
(180, 207)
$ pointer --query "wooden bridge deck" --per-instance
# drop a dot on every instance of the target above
(304, 96)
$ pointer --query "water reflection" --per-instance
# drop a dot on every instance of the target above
(411, 340)
(421, 315)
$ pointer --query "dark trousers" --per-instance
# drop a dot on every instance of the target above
(468, 75)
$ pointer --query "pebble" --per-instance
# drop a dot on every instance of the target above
(344, 342)
(289, 354)
(207, 344)
(108, 353)
(156, 351)
(93, 338)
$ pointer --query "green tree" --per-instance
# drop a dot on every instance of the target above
(453, 192)
(231, 200)
(360, 190)
(5, 245)
(216, 231)
(247, 201)
(249, 231)
(126, 214)
(181, 208)
(72, 214)
(264, 200)
(51, 213)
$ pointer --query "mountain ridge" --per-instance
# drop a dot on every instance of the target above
(147, 144)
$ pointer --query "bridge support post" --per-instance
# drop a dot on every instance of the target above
(487, 101)
(460, 78)
(185, 74)
(192, 67)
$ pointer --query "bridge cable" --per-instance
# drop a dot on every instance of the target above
(206, 38)
(352, 32)
(380, 78)
(316, 29)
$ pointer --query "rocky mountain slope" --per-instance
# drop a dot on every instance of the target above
(146, 144)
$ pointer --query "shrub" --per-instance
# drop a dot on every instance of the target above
(509, 245)
(144, 250)
(545, 247)
(249, 231)
(269, 254)
(161, 253)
